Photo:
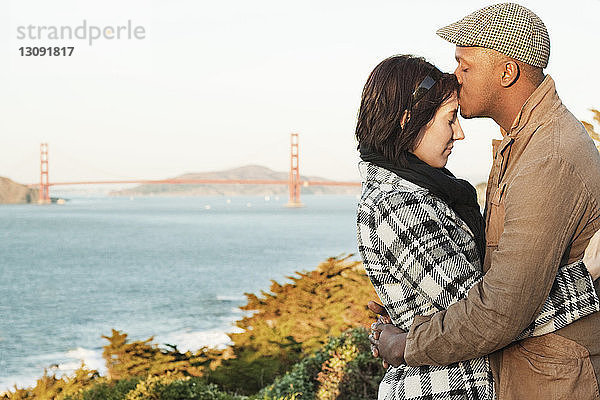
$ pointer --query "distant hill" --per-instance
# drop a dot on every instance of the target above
(15, 193)
(245, 172)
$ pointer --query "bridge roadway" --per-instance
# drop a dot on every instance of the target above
(208, 181)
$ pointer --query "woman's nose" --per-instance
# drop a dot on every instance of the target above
(457, 132)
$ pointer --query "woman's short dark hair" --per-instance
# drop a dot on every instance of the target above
(385, 98)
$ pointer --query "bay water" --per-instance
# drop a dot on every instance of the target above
(173, 268)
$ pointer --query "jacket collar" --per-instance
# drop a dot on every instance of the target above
(374, 173)
(388, 181)
(537, 108)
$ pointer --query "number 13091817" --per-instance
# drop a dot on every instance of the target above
(46, 51)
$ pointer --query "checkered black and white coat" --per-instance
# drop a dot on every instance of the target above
(421, 257)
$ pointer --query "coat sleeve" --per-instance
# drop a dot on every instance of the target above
(572, 297)
(523, 268)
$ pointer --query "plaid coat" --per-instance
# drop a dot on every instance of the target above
(421, 257)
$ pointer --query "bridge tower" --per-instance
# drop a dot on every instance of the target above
(44, 191)
(294, 181)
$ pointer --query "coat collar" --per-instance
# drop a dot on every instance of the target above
(536, 110)
(542, 103)
(389, 181)
(373, 173)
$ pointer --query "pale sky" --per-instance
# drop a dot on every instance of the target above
(215, 85)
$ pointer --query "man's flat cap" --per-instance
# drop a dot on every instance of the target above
(509, 28)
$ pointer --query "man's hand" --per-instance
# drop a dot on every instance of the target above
(591, 257)
(389, 342)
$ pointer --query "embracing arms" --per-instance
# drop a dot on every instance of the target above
(538, 229)
(503, 307)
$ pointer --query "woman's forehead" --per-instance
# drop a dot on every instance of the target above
(450, 104)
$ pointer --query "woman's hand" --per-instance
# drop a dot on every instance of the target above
(591, 257)
(382, 314)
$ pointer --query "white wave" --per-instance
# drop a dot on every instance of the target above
(8, 383)
(92, 359)
(67, 367)
(236, 329)
(230, 298)
(193, 341)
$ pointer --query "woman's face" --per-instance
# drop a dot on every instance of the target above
(437, 137)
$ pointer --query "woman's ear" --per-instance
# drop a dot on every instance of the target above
(405, 118)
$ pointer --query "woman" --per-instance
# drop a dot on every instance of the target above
(420, 230)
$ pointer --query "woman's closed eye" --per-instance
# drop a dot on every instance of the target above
(453, 119)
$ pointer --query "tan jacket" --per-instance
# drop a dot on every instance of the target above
(542, 207)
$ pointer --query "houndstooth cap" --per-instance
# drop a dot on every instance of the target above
(509, 28)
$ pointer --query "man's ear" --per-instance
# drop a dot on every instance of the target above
(510, 73)
(405, 118)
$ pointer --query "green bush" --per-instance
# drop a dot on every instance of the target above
(155, 388)
(50, 387)
(113, 390)
(343, 369)
(292, 321)
(167, 387)
(192, 389)
(125, 359)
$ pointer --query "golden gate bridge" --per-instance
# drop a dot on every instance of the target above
(294, 181)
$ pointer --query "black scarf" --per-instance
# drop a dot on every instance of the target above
(459, 194)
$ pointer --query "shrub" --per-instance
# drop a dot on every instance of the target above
(292, 321)
(167, 387)
(143, 357)
(343, 369)
(110, 390)
(50, 387)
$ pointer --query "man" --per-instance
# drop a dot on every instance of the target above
(542, 208)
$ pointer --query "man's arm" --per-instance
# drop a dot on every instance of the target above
(572, 297)
(540, 221)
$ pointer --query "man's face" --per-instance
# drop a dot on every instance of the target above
(475, 75)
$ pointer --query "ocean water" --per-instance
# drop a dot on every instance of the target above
(173, 268)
